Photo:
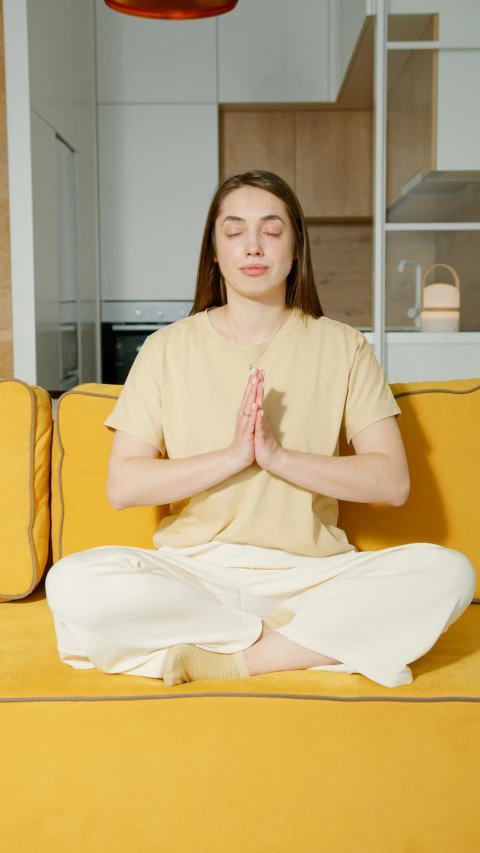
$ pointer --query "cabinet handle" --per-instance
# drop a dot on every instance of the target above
(137, 327)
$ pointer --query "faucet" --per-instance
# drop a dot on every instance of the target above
(415, 311)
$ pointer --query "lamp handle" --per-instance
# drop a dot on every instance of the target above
(454, 274)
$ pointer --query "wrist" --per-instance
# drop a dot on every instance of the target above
(232, 462)
(279, 461)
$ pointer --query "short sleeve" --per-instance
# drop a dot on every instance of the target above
(369, 396)
(138, 409)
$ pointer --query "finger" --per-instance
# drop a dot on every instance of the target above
(251, 407)
(248, 389)
(260, 393)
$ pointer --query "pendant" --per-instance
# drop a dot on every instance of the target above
(250, 366)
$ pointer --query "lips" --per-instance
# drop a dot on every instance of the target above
(254, 267)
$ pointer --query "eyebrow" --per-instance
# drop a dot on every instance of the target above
(263, 218)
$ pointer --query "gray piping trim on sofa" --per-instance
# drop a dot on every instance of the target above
(245, 696)
(33, 584)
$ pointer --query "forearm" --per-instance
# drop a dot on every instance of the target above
(365, 478)
(144, 481)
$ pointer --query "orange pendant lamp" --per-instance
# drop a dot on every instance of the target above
(173, 9)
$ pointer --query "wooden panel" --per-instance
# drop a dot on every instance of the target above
(356, 91)
(256, 139)
(6, 331)
(342, 265)
(333, 163)
(411, 116)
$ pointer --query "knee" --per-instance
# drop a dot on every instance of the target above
(456, 573)
(63, 582)
(56, 581)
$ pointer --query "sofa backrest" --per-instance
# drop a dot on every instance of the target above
(82, 516)
(440, 426)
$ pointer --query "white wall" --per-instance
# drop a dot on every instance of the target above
(346, 21)
(50, 89)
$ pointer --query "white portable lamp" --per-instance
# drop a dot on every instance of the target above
(440, 304)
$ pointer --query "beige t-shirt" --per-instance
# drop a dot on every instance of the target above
(183, 394)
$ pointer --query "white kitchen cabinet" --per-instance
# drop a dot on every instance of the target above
(87, 269)
(158, 170)
(455, 81)
(458, 118)
(65, 274)
(62, 69)
(141, 60)
(433, 155)
(274, 51)
(417, 7)
(431, 356)
(46, 253)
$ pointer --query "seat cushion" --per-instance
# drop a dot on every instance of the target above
(25, 447)
(291, 760)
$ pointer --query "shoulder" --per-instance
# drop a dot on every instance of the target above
(333, 334)
(177, 331)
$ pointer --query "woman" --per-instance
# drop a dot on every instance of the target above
(249, 574)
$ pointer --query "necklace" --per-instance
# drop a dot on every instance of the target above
(238, 345)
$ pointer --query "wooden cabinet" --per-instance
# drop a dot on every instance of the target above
(274, 51)
(257, 139)
(333, 163)
(325, 155)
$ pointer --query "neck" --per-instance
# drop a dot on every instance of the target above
(252, 323)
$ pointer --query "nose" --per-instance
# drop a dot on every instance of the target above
(253, 245)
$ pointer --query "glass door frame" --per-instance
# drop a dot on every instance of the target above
(380, 226)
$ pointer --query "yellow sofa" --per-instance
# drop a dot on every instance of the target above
(289, 761)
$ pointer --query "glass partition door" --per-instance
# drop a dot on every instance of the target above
(426, 317)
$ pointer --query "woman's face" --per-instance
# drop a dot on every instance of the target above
(253, 227)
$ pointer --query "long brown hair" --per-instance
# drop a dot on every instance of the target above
(301, 292)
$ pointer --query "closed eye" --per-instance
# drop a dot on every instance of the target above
(238, 234)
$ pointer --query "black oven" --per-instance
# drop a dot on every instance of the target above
(125, 325)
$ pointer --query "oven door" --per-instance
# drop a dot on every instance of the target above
(121, 343)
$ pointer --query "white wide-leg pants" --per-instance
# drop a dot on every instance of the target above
(119, 609)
